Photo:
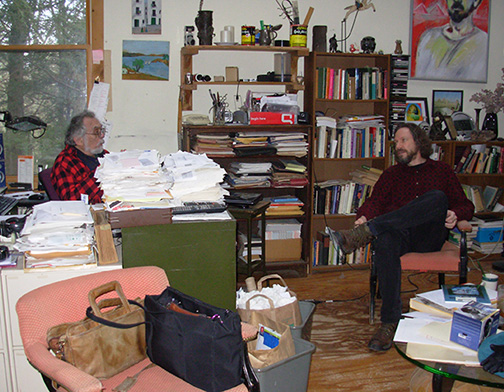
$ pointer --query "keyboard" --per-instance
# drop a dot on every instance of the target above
(199, 207)
(7, 204)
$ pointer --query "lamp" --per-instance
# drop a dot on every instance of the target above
(25, 123)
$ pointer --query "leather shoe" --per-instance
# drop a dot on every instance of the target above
(382, 339)
(350, 240)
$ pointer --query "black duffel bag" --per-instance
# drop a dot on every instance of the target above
(198, 342)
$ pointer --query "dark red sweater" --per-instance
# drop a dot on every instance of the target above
(399, 184)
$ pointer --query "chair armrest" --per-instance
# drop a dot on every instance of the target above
(249, 332)
(464, 226)
(62, 372)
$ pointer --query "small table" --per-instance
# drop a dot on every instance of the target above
(249, 213)
(445, 374)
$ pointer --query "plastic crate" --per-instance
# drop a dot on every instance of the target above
(288, 375)
(303, 331)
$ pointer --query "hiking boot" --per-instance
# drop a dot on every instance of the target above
(350, 240)
(382, 339)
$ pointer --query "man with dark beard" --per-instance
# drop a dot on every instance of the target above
(411, 208)
(73, 171)
(448, 52)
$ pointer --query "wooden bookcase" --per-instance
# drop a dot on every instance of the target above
(297, 267)
(337, 168)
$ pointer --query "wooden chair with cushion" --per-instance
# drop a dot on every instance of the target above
(450, 259)
(66, 301)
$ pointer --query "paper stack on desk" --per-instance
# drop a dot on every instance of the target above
(57, 233)
(195, 177)
(133, 176)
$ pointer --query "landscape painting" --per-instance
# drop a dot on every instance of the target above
(146, 60)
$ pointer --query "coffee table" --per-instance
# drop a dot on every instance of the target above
(445, 374)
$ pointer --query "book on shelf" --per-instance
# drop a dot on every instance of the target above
(465, 293)
(491, 196)
(488, 220)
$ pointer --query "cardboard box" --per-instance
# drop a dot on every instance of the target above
(473, 323)
(231, 74)
(283, 250)
(273, 118)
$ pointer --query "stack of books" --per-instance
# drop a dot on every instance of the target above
(489, 237)
(285, 205)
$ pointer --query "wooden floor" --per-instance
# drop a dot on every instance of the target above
(341, 331)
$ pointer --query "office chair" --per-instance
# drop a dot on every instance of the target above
(66, 301)
(450, 258)
(44, 178)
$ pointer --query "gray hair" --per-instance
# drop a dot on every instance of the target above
(76, 127)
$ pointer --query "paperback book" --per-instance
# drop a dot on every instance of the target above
(465, 293)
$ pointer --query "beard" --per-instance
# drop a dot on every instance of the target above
(458, 13)
(404, 159)
(95, 151)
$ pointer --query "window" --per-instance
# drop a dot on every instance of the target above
(44, 48)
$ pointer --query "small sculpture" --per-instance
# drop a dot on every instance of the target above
(359, 6)
(368, 44)
(398, 47)
(352, 48)
(438, 131)
(333, 44)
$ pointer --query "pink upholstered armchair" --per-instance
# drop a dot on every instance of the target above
(66, 301)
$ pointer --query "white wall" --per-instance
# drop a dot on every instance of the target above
(144, 113)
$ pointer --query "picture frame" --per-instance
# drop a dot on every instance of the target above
(417, 110)
(447, 102)
(433, 31)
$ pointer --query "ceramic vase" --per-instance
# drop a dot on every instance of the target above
(490, 123)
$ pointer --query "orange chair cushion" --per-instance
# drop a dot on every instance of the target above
(446, 260)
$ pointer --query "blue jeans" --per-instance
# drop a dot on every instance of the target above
(419, 226)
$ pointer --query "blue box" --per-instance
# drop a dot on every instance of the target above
(473, 323)
(489, 234)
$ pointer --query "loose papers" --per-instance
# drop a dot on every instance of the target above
(57, 233)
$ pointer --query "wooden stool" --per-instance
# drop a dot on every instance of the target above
(248, 214)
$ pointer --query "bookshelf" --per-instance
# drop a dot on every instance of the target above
(192, 134)
(349, 102)
(399, 69)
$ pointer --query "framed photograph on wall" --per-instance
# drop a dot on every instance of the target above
(447, 102)
(449, 40)
(417, 110)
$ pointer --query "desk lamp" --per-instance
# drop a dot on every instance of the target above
(25, 123)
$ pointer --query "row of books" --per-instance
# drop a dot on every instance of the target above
(352, 138)
(326, 252)
(339, 196)
(251, 143)
(484, 199)
(481, 158)
(351, 83)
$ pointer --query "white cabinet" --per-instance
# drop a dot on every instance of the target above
(20, 376)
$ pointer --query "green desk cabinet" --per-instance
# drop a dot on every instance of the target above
(198, 257)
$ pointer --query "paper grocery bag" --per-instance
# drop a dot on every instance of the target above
(288, 314)
(285, 349)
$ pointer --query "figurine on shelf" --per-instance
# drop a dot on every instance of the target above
(352, 48)
(368, 44)
(398, 47)
(333, 44)
(437, 130)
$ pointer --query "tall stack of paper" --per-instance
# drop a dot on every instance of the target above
(195, 177)
(133, 176)
(57, 233)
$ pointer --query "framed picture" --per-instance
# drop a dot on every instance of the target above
(417, 110)
(440, 49)
(447, 102)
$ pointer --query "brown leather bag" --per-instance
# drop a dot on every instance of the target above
(96, 349)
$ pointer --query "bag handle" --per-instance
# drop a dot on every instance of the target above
(90, 314)
(272, 305)
(104, 289)
(271, 276)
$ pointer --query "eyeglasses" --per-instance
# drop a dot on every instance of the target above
(98, 132)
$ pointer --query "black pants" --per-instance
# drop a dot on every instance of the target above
(419, 226)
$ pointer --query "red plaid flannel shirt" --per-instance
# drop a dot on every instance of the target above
(71, 177)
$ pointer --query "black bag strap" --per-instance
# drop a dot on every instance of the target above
(108, 323)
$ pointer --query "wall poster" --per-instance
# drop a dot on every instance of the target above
(449, 40)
